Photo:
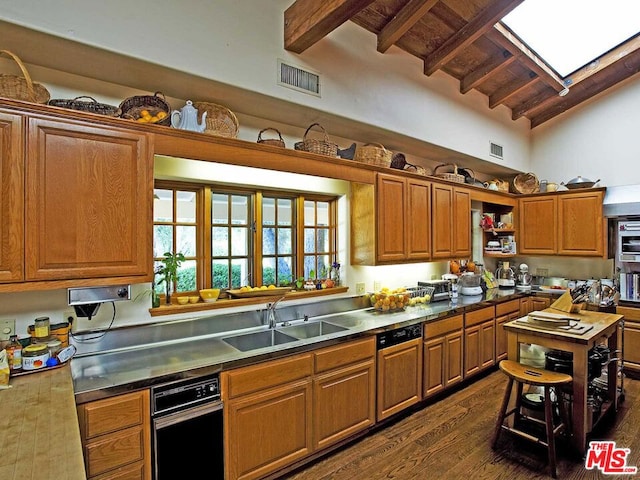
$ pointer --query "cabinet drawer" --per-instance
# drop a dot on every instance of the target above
(134, 471)
(505, 308)
(112, 414)
(629, 313)
(340, 355)
(114, 451)
(269, 374)
(440, 327)
(478, 316)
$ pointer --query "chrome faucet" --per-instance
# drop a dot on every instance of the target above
(270, 312)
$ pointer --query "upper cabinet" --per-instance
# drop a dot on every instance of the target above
(450, 222)
(562, 224)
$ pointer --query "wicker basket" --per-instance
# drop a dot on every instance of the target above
(452, 177)
(22, 88)
(276, 142)
(525, 183)
(133, 106)
(321, 147)
(373, 154)
(92, 106)
(220, 121)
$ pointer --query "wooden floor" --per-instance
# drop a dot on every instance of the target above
(450, 439)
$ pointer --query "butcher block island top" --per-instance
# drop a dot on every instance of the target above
(39, 430)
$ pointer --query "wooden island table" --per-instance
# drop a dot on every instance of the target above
(605, 329)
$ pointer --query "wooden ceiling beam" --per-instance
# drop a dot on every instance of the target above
(308, 21)
(491, 67)
(543, 99)
(479, 25)
(508, 91)
(406, 18)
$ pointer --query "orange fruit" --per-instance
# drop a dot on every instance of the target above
(454, 266)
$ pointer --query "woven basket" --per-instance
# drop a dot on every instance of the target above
(22, 88)
(373, 154)
(525, 183)
(133, 106)
(276, 142)
(452, 177)
(322, 147)
(220, 121)
(91, 105)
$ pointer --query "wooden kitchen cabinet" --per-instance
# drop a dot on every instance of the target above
(89, 193)
(399, 383)
(11, 198)
(344, 391)
(267, 416)
(116, 437)
(479, 340)
(443, 355)
(538, 225)
(450, 222)
(631, 346)
(505, 312)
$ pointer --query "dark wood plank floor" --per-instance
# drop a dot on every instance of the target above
(450, 439)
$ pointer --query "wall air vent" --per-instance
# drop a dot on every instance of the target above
(298, 79)
(495, 150)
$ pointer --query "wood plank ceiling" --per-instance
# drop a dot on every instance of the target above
(466, 40)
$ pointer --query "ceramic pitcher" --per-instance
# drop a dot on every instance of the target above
(187, 118)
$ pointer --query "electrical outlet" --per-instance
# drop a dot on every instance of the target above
(7, 328)
(69, 316)
(360, 288)
(542, 272)
(377, 286)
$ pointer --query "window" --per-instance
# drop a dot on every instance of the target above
(232, 237)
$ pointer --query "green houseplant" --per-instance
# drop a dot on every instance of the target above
(169, 272)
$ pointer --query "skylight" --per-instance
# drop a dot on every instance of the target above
(569, 34)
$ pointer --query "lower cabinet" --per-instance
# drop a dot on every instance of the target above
(631, 347)
(505, 312)
(399, 377)
(479, 340)
(443, 354)
(116, 437)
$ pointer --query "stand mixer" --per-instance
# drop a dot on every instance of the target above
(523, 279)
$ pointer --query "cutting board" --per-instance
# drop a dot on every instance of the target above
(554, 322)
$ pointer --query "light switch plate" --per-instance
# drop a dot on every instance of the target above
(360, 288)
(7, 328)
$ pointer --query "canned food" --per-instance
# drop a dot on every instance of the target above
(35, 356)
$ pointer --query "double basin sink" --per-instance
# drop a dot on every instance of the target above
(269, 338)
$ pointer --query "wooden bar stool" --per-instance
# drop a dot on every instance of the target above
(526, 375)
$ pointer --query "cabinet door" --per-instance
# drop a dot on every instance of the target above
(453, 358)
(631, 346)
(418, 220)
(391, 214)
(461, 223)
(472, 346)
(441, 221)
(267, 431)
(11, 198)
(399, 377)
(539, 303)
(526, 306)
(89, 197)
(580, 224)
(434, 366)
(343, 403)
(538, 228)
(487, 344)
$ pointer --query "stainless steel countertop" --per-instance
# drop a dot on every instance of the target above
(102, 374)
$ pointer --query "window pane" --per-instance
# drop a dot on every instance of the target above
(309, 240)
(162, 205)
(240, 210)
(239, 242)
(269, 271)
(186, 207)
(323, 266)
(240, 274)
(186, 239)
(309, 213)
(285, 212)
(309, 264)
(162, 240)
(220, 274)
(187, 276)
(285, 271)
(269, 241)
(323, 214)
(220, 241)
(284, 241)
(268, 211)
(219, 209)
(323, 240)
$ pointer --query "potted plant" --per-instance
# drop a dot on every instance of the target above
(169, 272)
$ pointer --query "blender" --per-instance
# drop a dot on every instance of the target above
(523, 280)
(505, 276)
(469, 284)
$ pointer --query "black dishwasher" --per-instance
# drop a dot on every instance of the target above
(187, 435)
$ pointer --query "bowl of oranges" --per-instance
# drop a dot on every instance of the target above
(390, 300)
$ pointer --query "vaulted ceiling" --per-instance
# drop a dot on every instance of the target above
(466, 40)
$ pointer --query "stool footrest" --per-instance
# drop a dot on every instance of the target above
(525, 435)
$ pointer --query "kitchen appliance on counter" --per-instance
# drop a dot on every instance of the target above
(505, 276)
(523, 279)
(182, 414)
(442, 289)
(469, 284)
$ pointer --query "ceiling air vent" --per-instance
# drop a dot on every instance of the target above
(495, 150)
(298, 79)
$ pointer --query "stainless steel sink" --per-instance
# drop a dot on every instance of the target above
(310, 330)
(253, 341)
(347, 321)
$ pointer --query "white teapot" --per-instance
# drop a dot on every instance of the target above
(187, 118)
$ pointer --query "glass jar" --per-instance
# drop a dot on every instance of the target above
(35, 356)
(54, 345)
(14, 354)
(41, 328)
